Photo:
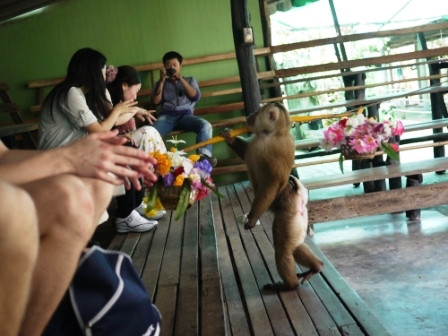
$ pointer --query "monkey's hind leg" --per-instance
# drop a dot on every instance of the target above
(286, 268)
(264, 196)
(305, 257)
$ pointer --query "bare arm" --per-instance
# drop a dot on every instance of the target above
(120, 114)
(156, 97)
(191, 91)
(96, 156)
(146, 115)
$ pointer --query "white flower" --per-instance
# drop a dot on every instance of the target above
(187, 164)
(176, 141)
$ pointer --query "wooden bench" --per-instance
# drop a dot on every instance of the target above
(206, 275)
(388, 201)
(20, 127)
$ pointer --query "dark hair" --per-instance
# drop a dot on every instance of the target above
(126, 74)
(84, 71)
(170, 55)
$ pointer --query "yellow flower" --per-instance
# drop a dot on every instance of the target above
(179, 180)
(194, 157)
(173, 149)
(163, 163)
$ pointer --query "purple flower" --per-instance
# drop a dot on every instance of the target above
(168, 180)
(203, 165)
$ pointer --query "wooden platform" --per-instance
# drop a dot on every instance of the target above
(206, 274)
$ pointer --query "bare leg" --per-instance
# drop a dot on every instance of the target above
(18, 251)
(68, 211)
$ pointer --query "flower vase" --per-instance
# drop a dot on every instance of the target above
(350, 154)
(169, 196)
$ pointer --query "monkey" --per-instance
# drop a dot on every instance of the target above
(289, 230)
(269, 156)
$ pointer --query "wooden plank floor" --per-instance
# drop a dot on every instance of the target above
(206, 274)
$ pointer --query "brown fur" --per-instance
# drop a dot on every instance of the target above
(269, 156)
(289, 231)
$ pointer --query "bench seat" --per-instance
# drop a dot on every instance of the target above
(387, 201)
(206, 275)
(9, 130)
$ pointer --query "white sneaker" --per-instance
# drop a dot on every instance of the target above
(134, 223)
(141, 210)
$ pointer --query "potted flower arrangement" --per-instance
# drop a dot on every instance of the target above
(359, 137)
(181, 180)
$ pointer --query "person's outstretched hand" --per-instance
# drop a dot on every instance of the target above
(127, 106)
(146, 115)
(102, 156)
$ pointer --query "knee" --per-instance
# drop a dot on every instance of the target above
(101, 193)
(74, 206)
(18, 224)
(207, 128)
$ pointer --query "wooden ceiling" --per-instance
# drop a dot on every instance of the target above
(13, 8)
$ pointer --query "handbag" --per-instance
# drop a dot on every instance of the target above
(106, 297)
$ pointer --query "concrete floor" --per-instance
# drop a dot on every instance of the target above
(399, 268)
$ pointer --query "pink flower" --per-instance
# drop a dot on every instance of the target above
(367, 144)
(394, 146)
(363, 135)
(334, 135)
(399, 128)
(358, 145)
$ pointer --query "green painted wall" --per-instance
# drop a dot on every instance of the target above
(128, 32)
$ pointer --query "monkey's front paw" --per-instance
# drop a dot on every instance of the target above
(244, 219)
(227, 135)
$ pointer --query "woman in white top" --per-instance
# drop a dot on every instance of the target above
(81, 104)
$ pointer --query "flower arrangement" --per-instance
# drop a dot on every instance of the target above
(362, 137)
(181, 180)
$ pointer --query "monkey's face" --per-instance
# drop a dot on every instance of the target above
(269, 119)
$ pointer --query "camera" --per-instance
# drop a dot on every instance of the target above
(170, 72)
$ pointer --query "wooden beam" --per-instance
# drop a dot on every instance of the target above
(418, 197)
(362, 62)
(10, 9)
(377, 173)
(358, 37)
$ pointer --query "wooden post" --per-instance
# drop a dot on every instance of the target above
(245, 56)
(438, 107)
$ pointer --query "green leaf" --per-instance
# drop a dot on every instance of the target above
(341, 163)
(152, 197)
(387, 148)
(182, 204)
(214, 190)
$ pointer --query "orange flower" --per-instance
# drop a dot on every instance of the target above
(179, 180)
(163, 163)
(194, 157)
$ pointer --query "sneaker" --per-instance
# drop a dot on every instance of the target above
(141, 210)
(212, 160)
(134, 223)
